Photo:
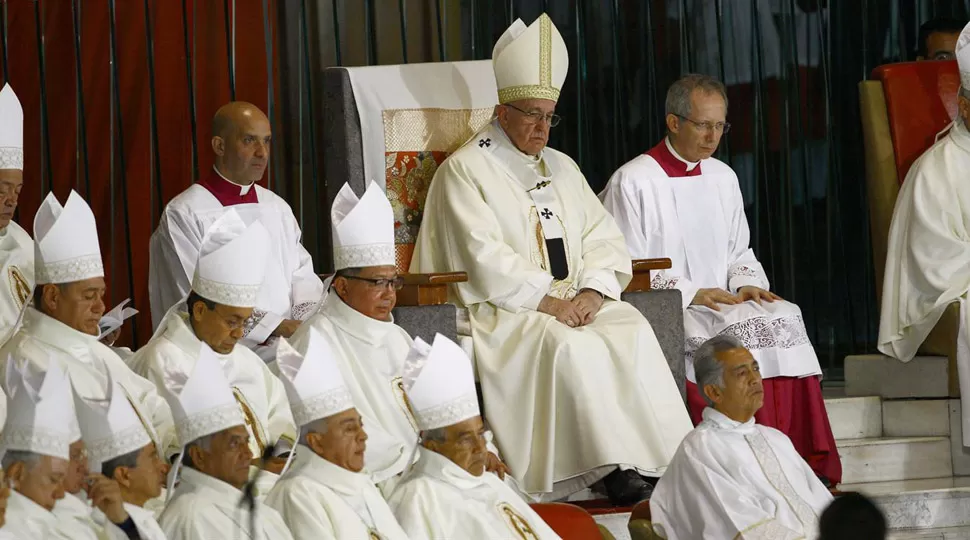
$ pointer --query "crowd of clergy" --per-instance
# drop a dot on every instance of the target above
(272, 404)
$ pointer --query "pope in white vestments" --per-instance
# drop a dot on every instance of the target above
(447, 493)
(677, 201)
(291, 290)
(227, 276)
(213, 497)
(62, 324)
(574, 381)
(16, 246)
(325, 494)
(731, 477)
(928, 260)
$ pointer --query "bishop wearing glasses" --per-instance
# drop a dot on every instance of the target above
(677, 201)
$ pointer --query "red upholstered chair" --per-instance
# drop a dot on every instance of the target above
(571, 522)
(903, 107)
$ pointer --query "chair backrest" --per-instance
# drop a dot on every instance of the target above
(568, 520)
(395, 125)
(903, 108)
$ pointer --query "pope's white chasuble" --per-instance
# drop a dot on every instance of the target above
(17, 273)
(697, 220)
(437, 499)
(260, 394)
(928, 261)
(291, 289)
(370, 354)
(737, 480)
(27, 520)
(566, 405)
(204, 508)
(91, 365)
(320, 500)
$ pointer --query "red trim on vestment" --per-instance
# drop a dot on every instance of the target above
(226, 192)
(674, 167)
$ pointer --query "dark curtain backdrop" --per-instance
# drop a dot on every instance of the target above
(118, 95)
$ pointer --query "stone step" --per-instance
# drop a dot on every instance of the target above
(855, 417)
(928, 508)
(948, 533)
(894, 458)
(888, 378)
(916, 418)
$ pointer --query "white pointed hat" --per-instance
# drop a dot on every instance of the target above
(202, 402)
(11, 130)
(110, 427)
(232, 261)
(40, 414)
(439, 383)
(530, 62)
(113, 319)
(66, 247)
(963, 56)
(363, 229)
(312, 380)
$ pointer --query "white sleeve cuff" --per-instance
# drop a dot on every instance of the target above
(737, 282)
(603, 281)
(527, 296)
(263, 327)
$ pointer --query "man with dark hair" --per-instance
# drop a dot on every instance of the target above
(852, 517)
(938, 39)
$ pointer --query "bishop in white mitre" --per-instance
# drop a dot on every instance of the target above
(62, 324)
(291, 290)
(211, 499)
(447, 493)
(732, 477)
(224, 290)
(325, 494)
(546, 266)
(120, 449)
(928, 261)
(678, 201)
(16, 246)
(110, 327)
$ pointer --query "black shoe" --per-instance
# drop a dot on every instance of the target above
(626, 488)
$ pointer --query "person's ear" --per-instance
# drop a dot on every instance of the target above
(502, 113)
(122, 475)
(963, 105)
(15, 473)
(673, 123)
(713, 393)
(198, 310)
(218, 146)
(197, 456)
(340, 285)
(50, 296)
(315, 441)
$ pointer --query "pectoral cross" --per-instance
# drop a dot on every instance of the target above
(482, 143)
(546, 213)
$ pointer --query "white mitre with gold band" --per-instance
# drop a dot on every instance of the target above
(363, 229)
(40, 415)
(312, 380)
(66, 241)
(11, 130)
(439, 383)
(232, 261)
(963, 57)
(530, 62)
(110, 427)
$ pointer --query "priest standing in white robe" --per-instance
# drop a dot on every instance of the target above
(677, 201)
(230, 271)
(731, 477)
(241, 141)
(325, 494)
(121, 450)
(16, 246)
(928, 260)
(209, 500)
(447, 493)
(546, 266)
(62, 323)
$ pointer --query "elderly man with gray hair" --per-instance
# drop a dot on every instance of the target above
(733, 478)
(678, 201)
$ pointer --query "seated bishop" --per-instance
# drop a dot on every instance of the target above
(16, 246)
(325, 494)
(447, 493)
(213, 497)
(731, 477)
(677, 201)
(110, 327)
(227, 276)
(241, 141)
(62, 324)
(120, 449)
(928, 258)
(546, 267)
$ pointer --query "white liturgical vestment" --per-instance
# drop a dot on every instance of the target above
(27, 520)
(698, 222)
(318, 499)
(737, 480)
(204, 508)
(78, 521)
(291, 290)
(439, 500)
(17, 272)
(537, 374)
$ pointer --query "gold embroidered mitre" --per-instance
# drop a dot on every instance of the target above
(530, 62)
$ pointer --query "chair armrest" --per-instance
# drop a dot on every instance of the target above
(641, 273)
(425, 289)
